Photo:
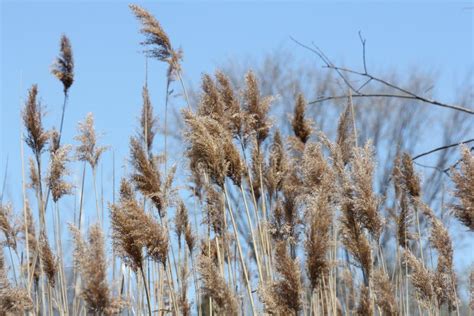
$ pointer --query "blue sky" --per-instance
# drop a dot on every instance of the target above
(435, 36)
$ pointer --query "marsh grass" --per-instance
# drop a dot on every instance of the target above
(265, 223)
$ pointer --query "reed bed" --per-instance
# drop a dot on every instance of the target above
(264, 223)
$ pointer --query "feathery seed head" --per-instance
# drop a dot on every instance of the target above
(301, 126)
(63, 67)
(88, 150)
(36, 137)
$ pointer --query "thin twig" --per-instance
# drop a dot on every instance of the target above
(442, 148)
(363, 40)
(341, 70)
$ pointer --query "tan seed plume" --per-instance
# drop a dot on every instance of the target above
(63, 67)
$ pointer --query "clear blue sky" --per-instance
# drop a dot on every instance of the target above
(110, 68)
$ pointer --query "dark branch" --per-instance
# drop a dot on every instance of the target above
(341, 70)
(442, 148)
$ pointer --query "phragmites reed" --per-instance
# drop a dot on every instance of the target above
(214, 285)
(13, 300)
(124, 217)
(352, 234)
(318, 238)
(155, 239)
(346, 135)
(146, 176)
(405, 177)
(63, 67)
(214, 206)
(210, 103)
(34, 176)
(183, 227)
(301, 126)
(91, 262)
(365, 307)
(48, 259)
(365, 202)
(404, 219)
(211, 148)
(57, 170)
(277, 168)
(283, 296)
(31, 238)
(9, 226)
(148, 121)
(421, 278)
(316, 172)
(156, 39)
(444, 280)
(36, 137)
(234, 114)
(88, 150)
(464, 181)
(257, 108)
(385, 293)
(133, 230)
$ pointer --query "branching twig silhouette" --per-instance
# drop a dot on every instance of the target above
(342, 71)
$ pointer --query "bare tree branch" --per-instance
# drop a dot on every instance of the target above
(341, 72)
(442, 148)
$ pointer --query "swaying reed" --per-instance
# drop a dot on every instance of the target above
(63, 67)
(13, 300)
(157, 40)
(88, 150)
(91, 262)
(215, 286)
(264, 222)
(284, 295)
(257, 108)
(9, 226)
(301, 126)
(57, 171)
(36, 137)
(464, 181)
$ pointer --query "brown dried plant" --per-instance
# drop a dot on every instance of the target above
(9, 226)
(345, 135)
(215, 286)
(13, 300)
(91, 262)
(257, 108)
(444, 280)
(365, 307)
(405, 177)
(366, 203)
(464, 181)
(88, 150)
(421, 278)
(157, 40)
(284, 295)
(133, 230)
(211, 148)
(63, 67)
(57, 171)
(36, 137)
(211, 103)
(277, 167)
(183, 226)
(148, 122)
(48, 260)
(385, 293)
(318, 237)
(301, 126)
(146, 176)
(235, 117)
